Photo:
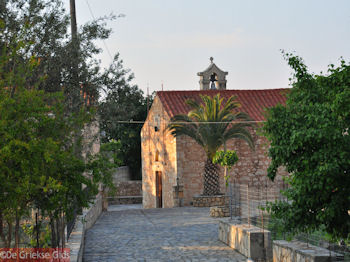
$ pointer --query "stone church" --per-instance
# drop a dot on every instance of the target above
(170, 163)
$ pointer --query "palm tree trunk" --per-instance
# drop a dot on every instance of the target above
(211, 179)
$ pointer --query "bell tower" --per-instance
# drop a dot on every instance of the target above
(212, 78)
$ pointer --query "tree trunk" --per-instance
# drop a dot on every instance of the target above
(53, 232)
(211, 179)
(9, 234)
(37, 229)
(17, 230)
(63, 237)
(58, 232)
(2, 234)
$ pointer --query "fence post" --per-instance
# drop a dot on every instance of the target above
(248, 205)
(236, 194)
(261, 205)
(230, 184)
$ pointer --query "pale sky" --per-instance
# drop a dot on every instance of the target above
(170, 41)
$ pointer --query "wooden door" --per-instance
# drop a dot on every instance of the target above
(159, 193)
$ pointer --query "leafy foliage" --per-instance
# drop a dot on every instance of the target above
(73, 68)
(226, 159)
(310, 138)
(211, 136)
(123, 102)
(39, 167)
(45, 24)
(101, 165)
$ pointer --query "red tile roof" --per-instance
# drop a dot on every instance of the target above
(253, 102)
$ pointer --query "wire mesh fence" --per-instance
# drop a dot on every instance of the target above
(248, 202)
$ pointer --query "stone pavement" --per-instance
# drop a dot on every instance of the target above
(174, 234)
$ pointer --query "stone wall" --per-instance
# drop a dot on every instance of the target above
(158, 154)
(220, 211)
(129, 188)
(91, 139)
(209, 201)
(121, 174)
(83, 222)
(297, 251)
(251, 167)
(127, 192)
(251, 241)
(224, 211)
(125, 200)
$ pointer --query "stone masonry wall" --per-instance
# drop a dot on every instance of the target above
(129, 188)
(250, 241)
(297, 251)
(83, 222)
(251, 167)
(220, 211)
(121, 174)
(127, 192)
(91, 139)
(158, 154)
(209, 201)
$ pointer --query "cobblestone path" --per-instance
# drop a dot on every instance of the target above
(174, 234)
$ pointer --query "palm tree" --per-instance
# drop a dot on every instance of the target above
(211, 124)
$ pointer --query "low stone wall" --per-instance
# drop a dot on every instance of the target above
(297, 251)
(220, 211)
(224, 211)
(210, 201)
(83, 222)
(129, 188)
(250, 241)
(125, 200)
(127, 192)
(121, 174)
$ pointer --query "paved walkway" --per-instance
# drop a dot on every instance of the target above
(174, 234)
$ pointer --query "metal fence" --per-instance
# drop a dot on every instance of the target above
(247, 203)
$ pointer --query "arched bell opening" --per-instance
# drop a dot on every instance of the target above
(213, 81)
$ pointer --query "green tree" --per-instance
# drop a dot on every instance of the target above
(309, 136)
(38, 166)
(45, 24)
(227, 159)
(36, 54)
(211, 124)
(123, 102)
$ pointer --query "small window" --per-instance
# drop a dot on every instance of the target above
(157, 156)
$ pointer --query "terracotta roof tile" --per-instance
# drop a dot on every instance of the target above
(253, 102)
